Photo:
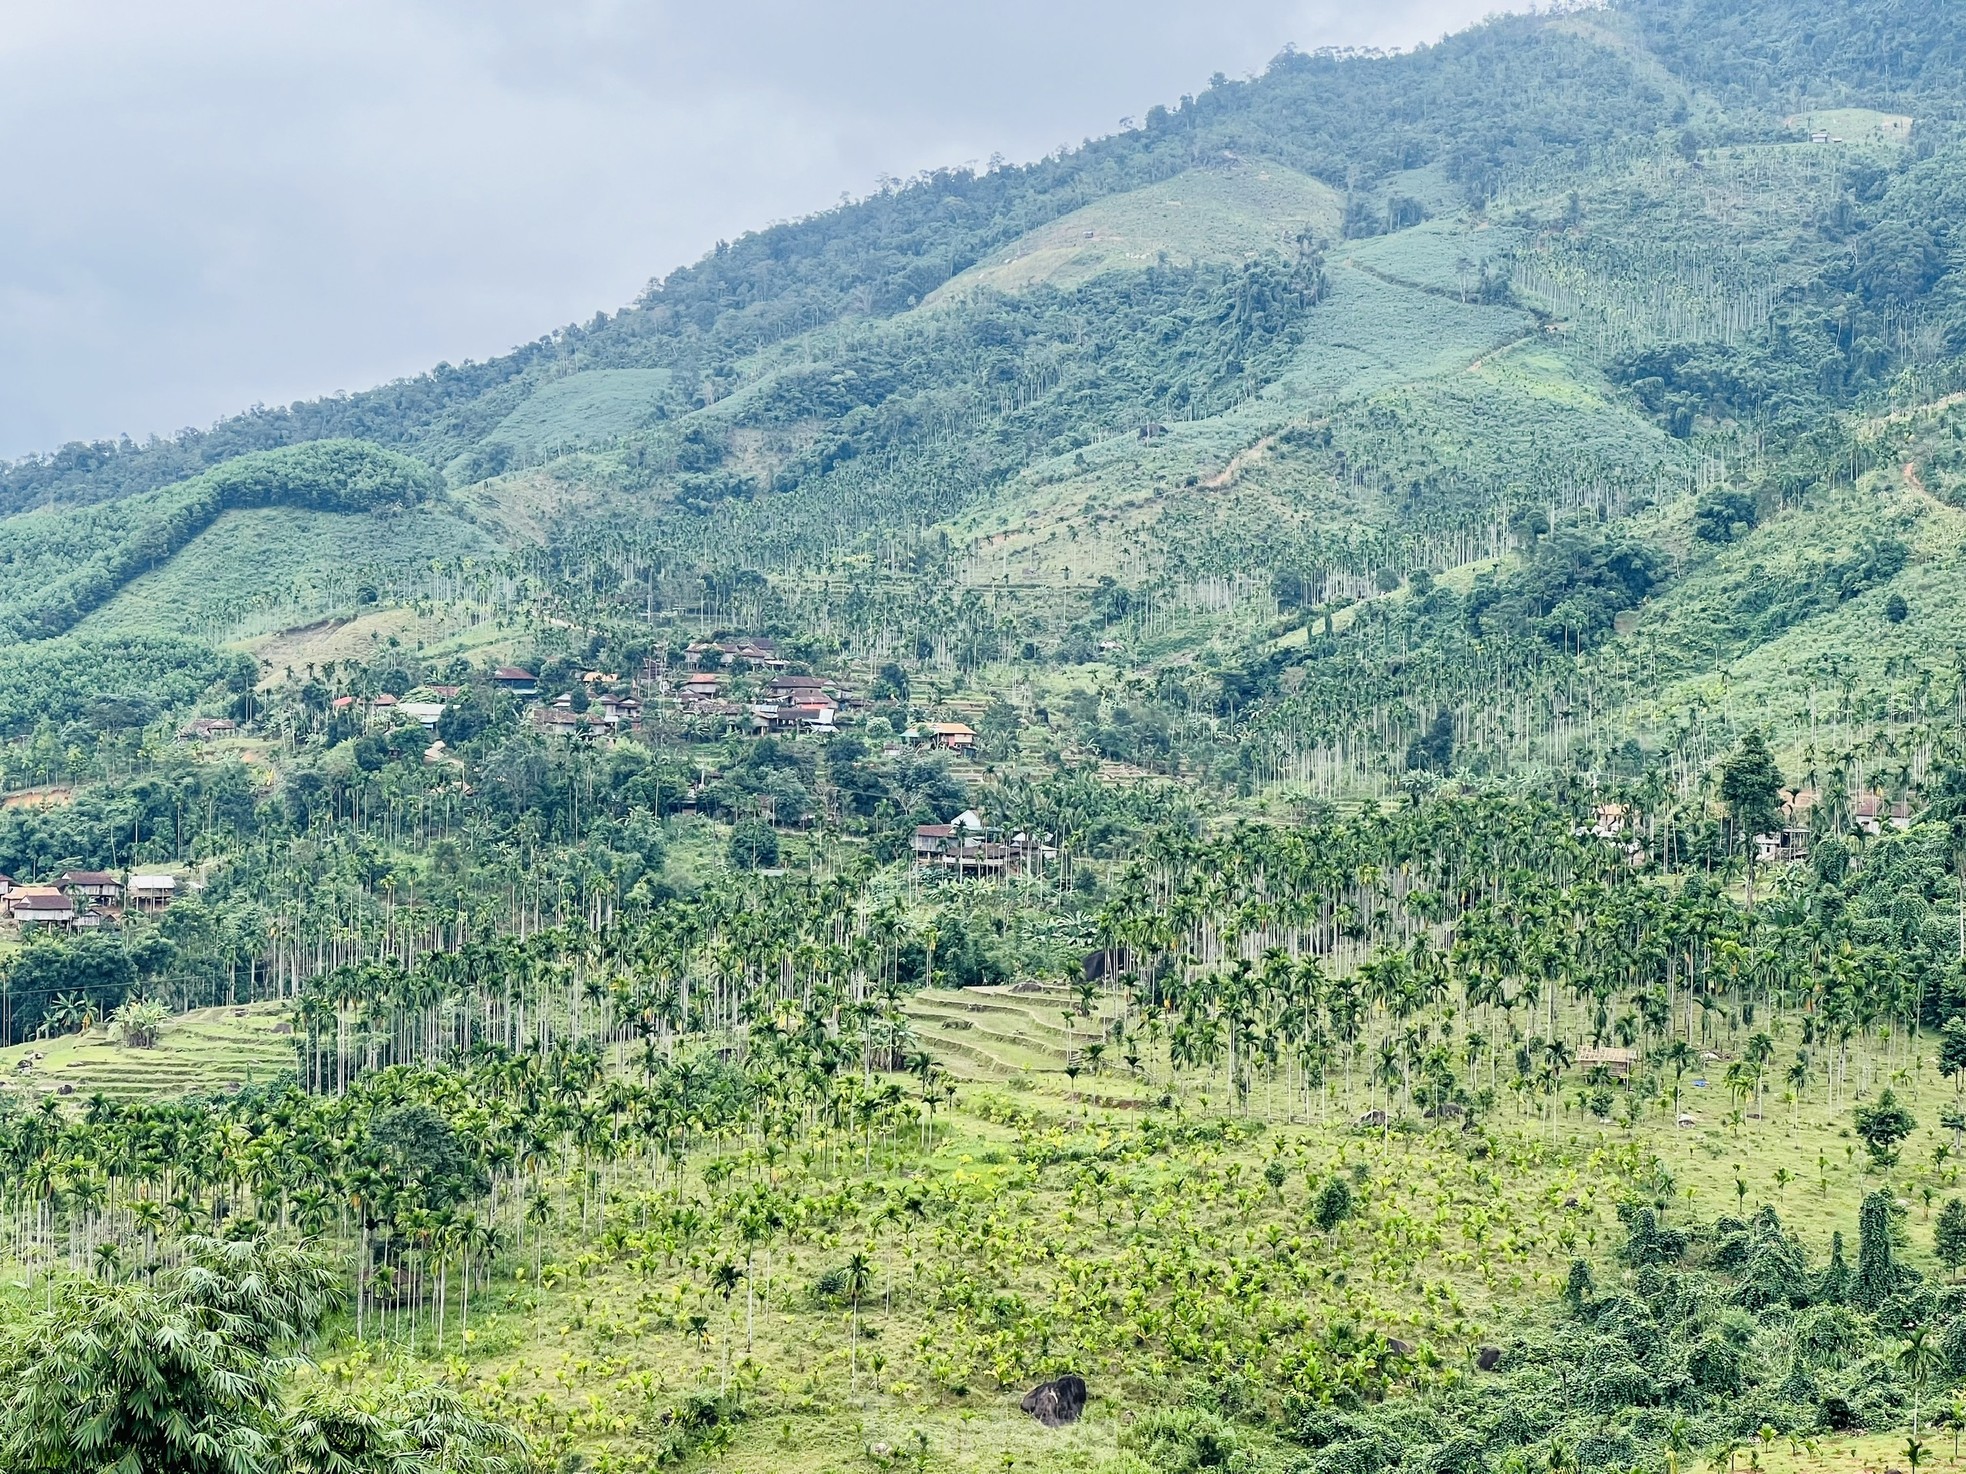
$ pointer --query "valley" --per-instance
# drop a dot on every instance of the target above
(1307, 763)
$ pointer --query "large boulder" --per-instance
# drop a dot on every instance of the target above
(1057, 1402)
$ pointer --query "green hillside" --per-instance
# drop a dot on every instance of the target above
(1228, 212)
(260, 564)
(60, 564)
(1276, 762)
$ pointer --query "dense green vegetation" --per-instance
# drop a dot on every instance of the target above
(1419, 602)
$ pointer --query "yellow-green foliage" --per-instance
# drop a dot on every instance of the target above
(1216, 214)
(205, 1050)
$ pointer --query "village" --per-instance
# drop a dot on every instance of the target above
(1807, 815)
(739, 687)
(83, 900)
(721, 691)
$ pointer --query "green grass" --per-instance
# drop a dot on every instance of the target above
(585, 409)
(280, 564)
(1213, 214)
(1444, 255)
(206, 1050)
(592, 1362)
(1369, 347)
(1857, 125)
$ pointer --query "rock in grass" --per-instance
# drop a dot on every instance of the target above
(1057, 1402)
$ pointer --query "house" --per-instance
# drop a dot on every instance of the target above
(384, 701)
(425, 714)
(559, 721)
(93, 885)
(1618, 1060)
(6, 886)
(797, 688)
(206, 729)
(151, 893)
(41, 905)
(1870, 812)
(1790, 842)
(941, 842)
(788, 717)
(932, 841)
(755, 651)
(1613, 821)
(700, 692)
(516, 679)
(618, 711)
(955, 736)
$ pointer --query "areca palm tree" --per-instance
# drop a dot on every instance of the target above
(1918, 1358)
(859, 1275)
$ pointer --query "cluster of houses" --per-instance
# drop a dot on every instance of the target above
(786, 703)
(968, 846)
(80, 899)
(1868, 814)
(744, 683)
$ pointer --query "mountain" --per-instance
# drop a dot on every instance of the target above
(1228, 782)
(1368, 349)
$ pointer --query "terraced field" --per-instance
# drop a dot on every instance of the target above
(1022, 1030)
(207, 1050)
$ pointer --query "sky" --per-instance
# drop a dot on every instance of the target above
(213, 204)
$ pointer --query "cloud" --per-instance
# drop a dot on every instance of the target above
(221, 202)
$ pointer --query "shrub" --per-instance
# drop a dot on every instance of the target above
(139, 1023)
(1333, 1204)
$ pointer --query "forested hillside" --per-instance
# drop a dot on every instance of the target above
(1209, 804)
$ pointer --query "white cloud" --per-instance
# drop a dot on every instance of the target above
(219, 202)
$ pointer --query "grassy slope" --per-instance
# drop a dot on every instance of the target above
(279, 560)
(1703, 637)
(587, 408)
(205, 1050)
(587, 1363)
(1372, 338)
(591, 1361)
(1212, 214)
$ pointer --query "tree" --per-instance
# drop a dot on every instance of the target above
(1949, 1235)
(1896, 610)
(1433, 750)
(753, 845)
(1883, 1127)
(1918, 1358)
(1724, 514)
(426, 1430)
(1751, 788)
(859, 1274)
(1877, 1268)
(1333, 1204)
(183, 1376)
(424, 1154)
(1952, 1050)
